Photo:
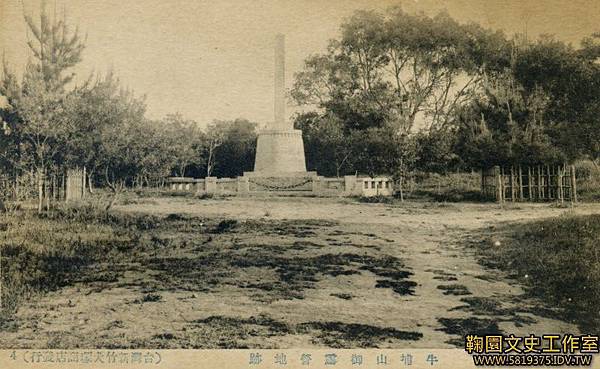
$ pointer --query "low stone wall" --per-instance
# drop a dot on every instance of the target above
(379, 186)
(188, 184)
(309, 184)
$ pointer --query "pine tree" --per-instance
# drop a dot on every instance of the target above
(55, 50)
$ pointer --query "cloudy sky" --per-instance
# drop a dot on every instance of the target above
(213, 59)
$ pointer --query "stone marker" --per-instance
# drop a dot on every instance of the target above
(279, 150)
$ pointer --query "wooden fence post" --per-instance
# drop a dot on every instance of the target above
(69, 186)
(40, 190)
(483, 189)
(53, 185)
(47, 191)
(540, 194)
(529, 184)
(83, 178)
(16, 187)
(573, 185)
(559, 184)
(521, 184)
(512, 185)
(62, 195)
(499, 184)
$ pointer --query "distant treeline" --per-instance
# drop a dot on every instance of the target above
(393, 94)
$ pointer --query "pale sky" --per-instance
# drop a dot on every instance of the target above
(213, 59)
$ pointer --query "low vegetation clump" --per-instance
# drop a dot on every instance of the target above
(588, 180)
(41, 253)
(559, 259)
(379, 199)
(452, 187)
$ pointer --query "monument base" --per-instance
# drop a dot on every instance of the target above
(280, 174)
(279, 152)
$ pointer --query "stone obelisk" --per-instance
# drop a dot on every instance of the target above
(279, 83)
(279, 150)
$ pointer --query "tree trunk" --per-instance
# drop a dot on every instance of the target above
(112, 201)
(47, 193)
(16, 187)
(83, 179)
(62, 194)
(54, 193)
(40, 184)
(401, 188)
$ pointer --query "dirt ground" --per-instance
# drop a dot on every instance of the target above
(297, 273)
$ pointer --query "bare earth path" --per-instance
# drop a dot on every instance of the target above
(376, 275)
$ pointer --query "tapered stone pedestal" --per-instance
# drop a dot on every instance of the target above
(279, 151)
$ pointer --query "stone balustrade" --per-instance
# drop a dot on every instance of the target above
(302, 183)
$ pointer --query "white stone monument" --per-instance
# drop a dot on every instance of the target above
(279, 150)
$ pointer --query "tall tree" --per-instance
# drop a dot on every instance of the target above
(238, 148)
(397, 69)
(55, 50)
(230, 147)
(215, 134)
(327, 146)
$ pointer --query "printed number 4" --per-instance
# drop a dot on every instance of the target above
(14, 355)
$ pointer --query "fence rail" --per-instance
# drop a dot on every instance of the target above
(532, 183)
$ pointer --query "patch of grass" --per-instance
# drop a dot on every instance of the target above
(174, 193)
(150, 297)
(559, 259)
(205, 196)
(343, 296)
(445, 278)
(451, 187)
(296, 228)
(493, 307)
(42, 253)
(379, 199)
(273, 326)
(464, 326)
(453, 195)
(297, 273)
(74, 244)
(227, 332)
(350, 335)
(454, 289)
(400, 287)
(225, 225)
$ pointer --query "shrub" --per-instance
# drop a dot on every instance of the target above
(561, 259)
(451, 187)
(588, 180)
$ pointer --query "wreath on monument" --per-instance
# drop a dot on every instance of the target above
(274, 184)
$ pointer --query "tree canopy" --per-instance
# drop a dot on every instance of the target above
(467, 96)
